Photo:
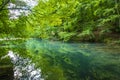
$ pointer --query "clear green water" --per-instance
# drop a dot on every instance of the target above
(68, 61)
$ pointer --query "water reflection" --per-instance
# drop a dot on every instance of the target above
(77, 61)
(72, 61)
(23, 68)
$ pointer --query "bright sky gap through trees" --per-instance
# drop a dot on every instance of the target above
(21, 7)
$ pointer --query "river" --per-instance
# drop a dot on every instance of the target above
(64, 61)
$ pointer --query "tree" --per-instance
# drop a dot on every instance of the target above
(64, 20)
(11, 10)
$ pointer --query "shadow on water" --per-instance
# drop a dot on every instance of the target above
(6, 73)
(72, 61)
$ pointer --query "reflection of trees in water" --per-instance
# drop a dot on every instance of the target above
(74, 65)
(77, 65)
(69, 61)
(23, 68)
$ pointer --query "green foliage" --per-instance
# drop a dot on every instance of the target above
(65, 36)
(63, 20)
(86, 35)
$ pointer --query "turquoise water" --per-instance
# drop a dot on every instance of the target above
(69, 61)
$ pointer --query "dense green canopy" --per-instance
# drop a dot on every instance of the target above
(76, 20)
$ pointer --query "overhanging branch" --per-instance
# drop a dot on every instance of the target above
(4, 3)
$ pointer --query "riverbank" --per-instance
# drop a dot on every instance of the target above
(106, 38)
(109, 39)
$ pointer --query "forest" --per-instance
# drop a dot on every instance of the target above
(59, 39)
(68, 20)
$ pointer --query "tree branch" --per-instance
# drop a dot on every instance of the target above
(4, 3)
